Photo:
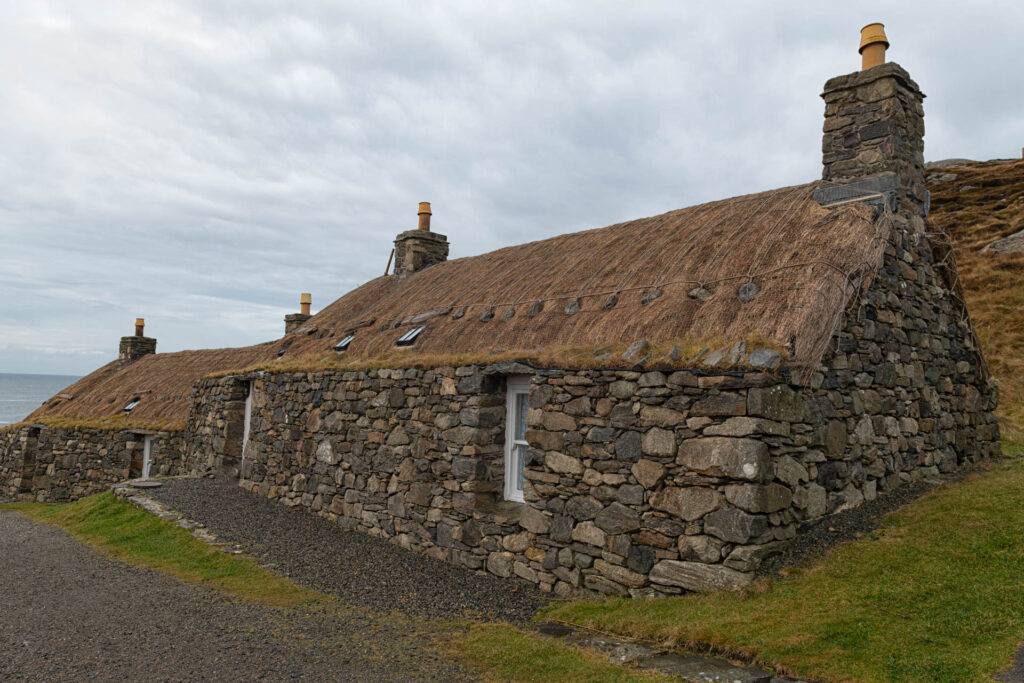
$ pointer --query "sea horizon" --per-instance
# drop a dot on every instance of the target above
(21, 393)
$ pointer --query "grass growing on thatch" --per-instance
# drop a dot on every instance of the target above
(578, 358)
(505, 653)
(128, 534)
(113, 423)
(935, 595)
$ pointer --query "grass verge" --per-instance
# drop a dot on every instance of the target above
(507, 654)
(128, 534)
(935, 595)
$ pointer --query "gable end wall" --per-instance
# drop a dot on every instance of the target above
(905, 374)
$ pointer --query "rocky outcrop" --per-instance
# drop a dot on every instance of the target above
(1014, 244)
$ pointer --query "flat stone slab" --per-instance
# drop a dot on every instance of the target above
(554, 630)
(145, 484)
(168, 514)
(703, 670)
(692, 668)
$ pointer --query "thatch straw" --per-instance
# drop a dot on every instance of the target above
(162, 382)
(805, 260)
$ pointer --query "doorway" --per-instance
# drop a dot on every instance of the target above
(147, 456)
(28, 461)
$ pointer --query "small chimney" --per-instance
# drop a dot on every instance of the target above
(425, 216)
(874, 131)
(294, 321)
(873, 45)
(135, 347)
(421, 248)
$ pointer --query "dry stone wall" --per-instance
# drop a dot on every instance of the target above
(215, 425)
(904, 376)
(11, 462)
(56, 465)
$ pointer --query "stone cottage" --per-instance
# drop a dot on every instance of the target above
(646, 408)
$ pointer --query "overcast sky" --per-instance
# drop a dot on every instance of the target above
(201, 163)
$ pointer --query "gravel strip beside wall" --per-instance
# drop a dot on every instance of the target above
(358, 568)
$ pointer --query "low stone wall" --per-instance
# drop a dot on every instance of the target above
(55, 465)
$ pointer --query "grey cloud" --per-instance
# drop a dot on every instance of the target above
(200, 164)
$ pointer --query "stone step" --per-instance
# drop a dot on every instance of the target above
(694, 668)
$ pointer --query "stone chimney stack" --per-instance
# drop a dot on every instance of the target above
(420, 248)
(874, 126)
(133, 348)
(294, 321)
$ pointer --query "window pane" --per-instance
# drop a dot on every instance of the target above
(522, 405)
(520, 464)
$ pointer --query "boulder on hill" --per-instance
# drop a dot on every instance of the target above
(1014, 244)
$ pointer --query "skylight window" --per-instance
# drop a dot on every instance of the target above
(131, 405)
(409, 338)
(343, 344)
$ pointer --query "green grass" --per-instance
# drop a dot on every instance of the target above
(508, 654)
(936, 595)
(128, 534)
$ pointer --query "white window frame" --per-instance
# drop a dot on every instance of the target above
(247, 419)
(516, 385)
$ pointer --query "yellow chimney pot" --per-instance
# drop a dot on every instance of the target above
(140, 326)
(424, 214)
(873, 44)
(305, 300)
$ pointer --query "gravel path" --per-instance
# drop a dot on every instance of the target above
(69, 613)
(360, 569)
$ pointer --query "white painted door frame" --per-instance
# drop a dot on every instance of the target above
(147, 456)
(247, 419)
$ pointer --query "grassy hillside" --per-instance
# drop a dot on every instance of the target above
(977, 204)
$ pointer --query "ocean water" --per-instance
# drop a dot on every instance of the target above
(21, 394)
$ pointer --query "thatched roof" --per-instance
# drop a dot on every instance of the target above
(677, 276)
(162, 382)
(804, 259)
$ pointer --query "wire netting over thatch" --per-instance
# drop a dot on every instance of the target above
(590, 288)
(775, 265)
